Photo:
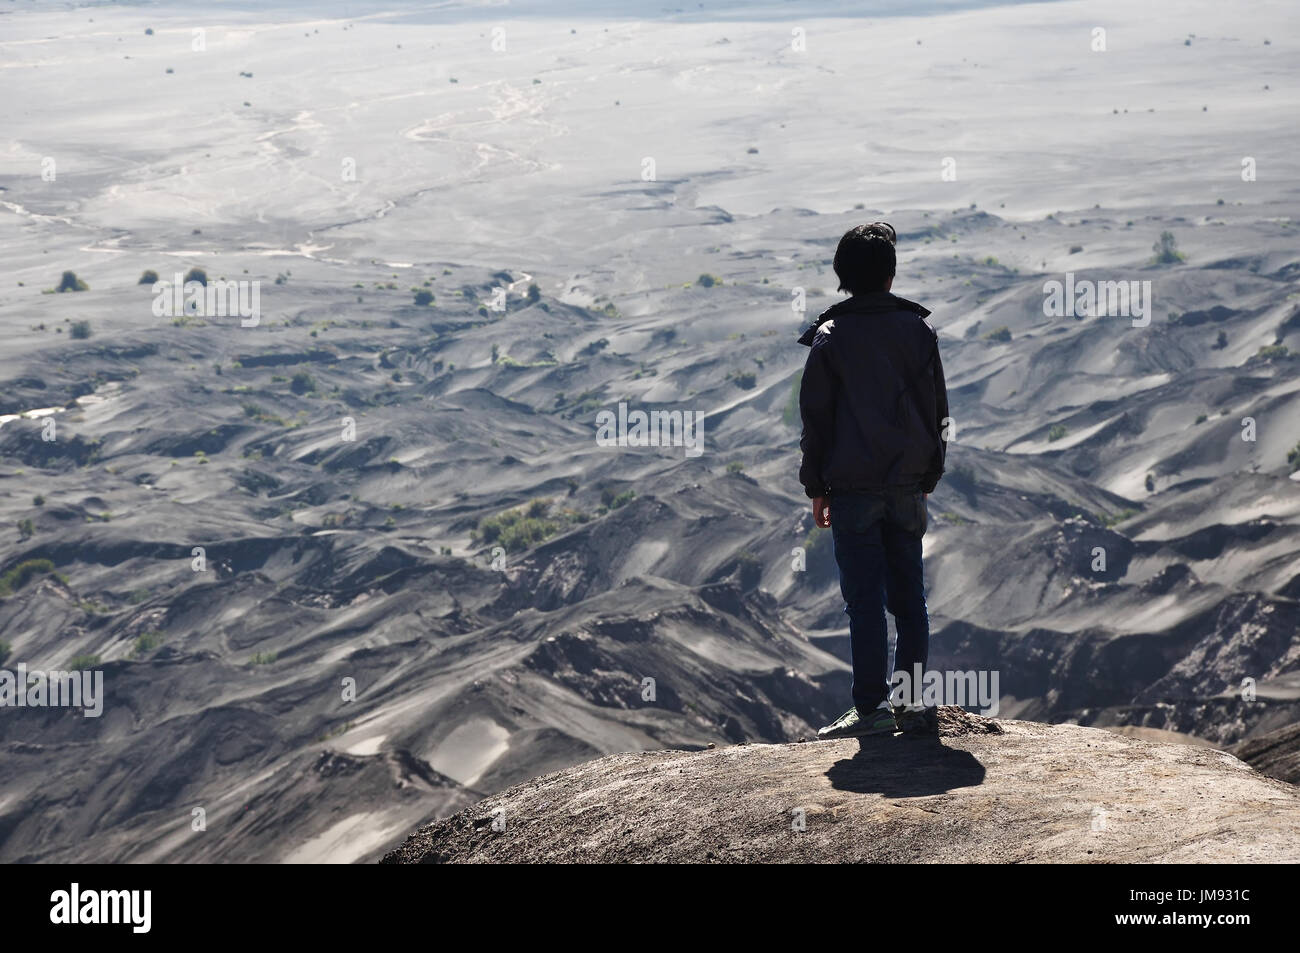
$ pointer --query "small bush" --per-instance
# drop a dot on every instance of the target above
(80, 330)
(80, 663)
(1000, 335)
(302, 383)
(21, 574)
(423, 298)
(197, 274)
(149, 277)
(1166, 249)
(70, 282)
(1056, 433)
(146, 643)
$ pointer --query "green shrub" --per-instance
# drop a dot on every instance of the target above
(21, 574)
(1001, 335)
(302, 383)
(145, 643)
(149, 277)
(1057, 432)
(423, 298)
(80, 330)
(1166, 249)
(70, 282)
(80, 663)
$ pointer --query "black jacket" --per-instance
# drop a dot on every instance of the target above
(873, 399)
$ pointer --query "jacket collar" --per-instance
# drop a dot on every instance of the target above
(875, 302)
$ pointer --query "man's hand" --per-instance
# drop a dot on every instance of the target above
(821, 511)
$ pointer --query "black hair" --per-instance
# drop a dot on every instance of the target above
(865, 259)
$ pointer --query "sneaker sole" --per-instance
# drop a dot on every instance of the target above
(863, 733)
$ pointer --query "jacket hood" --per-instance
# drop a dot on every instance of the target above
(877, 302)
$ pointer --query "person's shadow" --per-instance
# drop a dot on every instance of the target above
(905, 766)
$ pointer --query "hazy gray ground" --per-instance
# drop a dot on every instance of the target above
(479, 169)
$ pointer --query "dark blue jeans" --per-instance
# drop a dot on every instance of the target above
(878, 548)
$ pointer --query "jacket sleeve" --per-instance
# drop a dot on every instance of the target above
(817, 411)
(941, 418)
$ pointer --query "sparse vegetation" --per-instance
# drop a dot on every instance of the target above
(23, 573)
(1166, 249)
(148, 277)
(423, 298)
(197, 274)
(1117, 518)
(616, 500)
(1056, 433)
(819, 552)
(517, 529)
(302, 383)
(81, 663)
(145, 643)
(70, 282)
(999, 335)
(791, 414)
(708, 281)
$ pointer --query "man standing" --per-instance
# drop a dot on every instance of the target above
(874, 408)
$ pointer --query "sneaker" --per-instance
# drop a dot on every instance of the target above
(852, 724)
(917, 719)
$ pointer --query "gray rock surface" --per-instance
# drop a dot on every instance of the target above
(1008, 792)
